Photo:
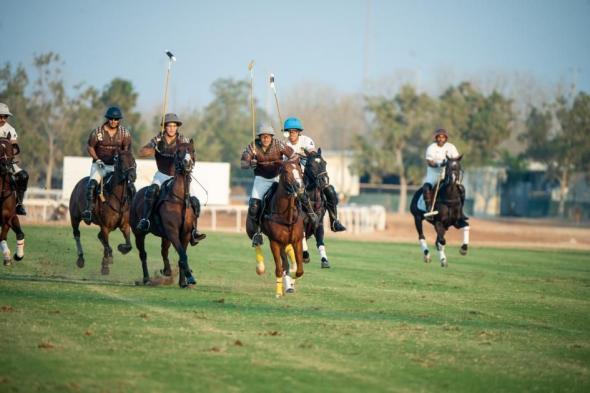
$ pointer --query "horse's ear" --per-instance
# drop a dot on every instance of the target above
(320, 151)
(9, 137)
(191, 142)
(460, 157)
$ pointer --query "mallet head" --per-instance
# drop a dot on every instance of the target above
(170, 55)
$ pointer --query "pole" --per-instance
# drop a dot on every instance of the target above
(274, 90)
(171, 58)
(252, 109)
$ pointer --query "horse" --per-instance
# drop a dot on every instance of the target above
(315, 178)
(8, 217)
(172, 217)
(282, 223)
(110, 211)
(449, 206)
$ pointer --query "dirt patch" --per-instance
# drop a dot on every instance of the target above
(519, 233)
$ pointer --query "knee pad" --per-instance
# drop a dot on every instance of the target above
(195, 204)
(254, 207)
(21, 178)
(331, 195)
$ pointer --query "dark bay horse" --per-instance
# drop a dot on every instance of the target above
(449, 206)
(8, 217)
(316, 179)
(282, 223)
(110, 213)
(172, 217)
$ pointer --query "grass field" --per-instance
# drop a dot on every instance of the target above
(379, 320)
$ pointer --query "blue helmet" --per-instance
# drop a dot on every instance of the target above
(293, 123)
(113, 113)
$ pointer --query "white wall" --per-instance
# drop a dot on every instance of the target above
(214, 176)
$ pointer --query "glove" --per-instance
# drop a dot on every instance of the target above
(100, 164)
(253, 163)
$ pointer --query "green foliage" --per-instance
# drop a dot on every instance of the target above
(379, 320)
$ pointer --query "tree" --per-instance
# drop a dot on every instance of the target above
(397, 138)
(557, 135)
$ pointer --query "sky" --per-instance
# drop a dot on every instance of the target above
(329, 43)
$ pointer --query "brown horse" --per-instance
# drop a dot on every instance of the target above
(172, 217)
(110, 213)
(282, 222)
(8, 217)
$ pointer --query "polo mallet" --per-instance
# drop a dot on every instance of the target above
(274, 90)
(171, 58)
(251, 69)
(433, 212)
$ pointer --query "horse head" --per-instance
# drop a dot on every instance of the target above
(315, 169)
(184, 159)
(6, 154)
(453, 171)
(125, 166)
(290, 175)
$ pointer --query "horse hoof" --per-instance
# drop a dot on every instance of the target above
(463, 249)
(191, 281)
(325, 264)
(444, 263)
(167, 273)
(124, 248)
(260, 269)
(8, 262)
(427, 258)
(80, 262)
(306, 258)
(17, 258)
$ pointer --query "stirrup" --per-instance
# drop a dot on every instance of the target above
(257, 239)
(20, 210)
(143, 225)
(196, 237)
(337, 226)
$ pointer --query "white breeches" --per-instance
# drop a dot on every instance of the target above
(160, 178)
(16, 168)
(97, 174)
(261, 186)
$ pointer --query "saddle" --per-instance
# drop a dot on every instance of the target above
(107, 187)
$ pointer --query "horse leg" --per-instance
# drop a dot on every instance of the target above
(440, 243)
(289, 265)
(107, 256)
(319, 242)
(140, 245)
(260, 268)
(76, 230)
(298, 249)
(465, 245)
(306, 258)
(185, 278)
(421, 238)
(4, 245)
(20, 239)
(275, 247)
(126, 231)
(165, 246)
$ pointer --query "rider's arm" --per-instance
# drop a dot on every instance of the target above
(247, 157)
(287, 151)
(91, 143)
(149, 149)
(126, 145)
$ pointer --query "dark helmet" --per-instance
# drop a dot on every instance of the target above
(113, 113)
(172, 118)
(440, 131)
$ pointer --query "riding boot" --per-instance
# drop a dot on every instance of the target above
(151, 194)
(308, 208)
(332, 203)
(196, 236)
(428, 199)
(254, 212)
(21, 179)
(87, 213)
(462, 197)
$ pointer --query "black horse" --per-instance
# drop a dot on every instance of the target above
(316, 179)
(449, 205)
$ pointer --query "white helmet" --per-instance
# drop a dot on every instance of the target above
(265, 130)
(4, 109)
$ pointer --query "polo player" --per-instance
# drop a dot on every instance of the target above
(103, 144)
(163, 147)
(21, 177)
(264, 156)
(436, 156)
(302, 144)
